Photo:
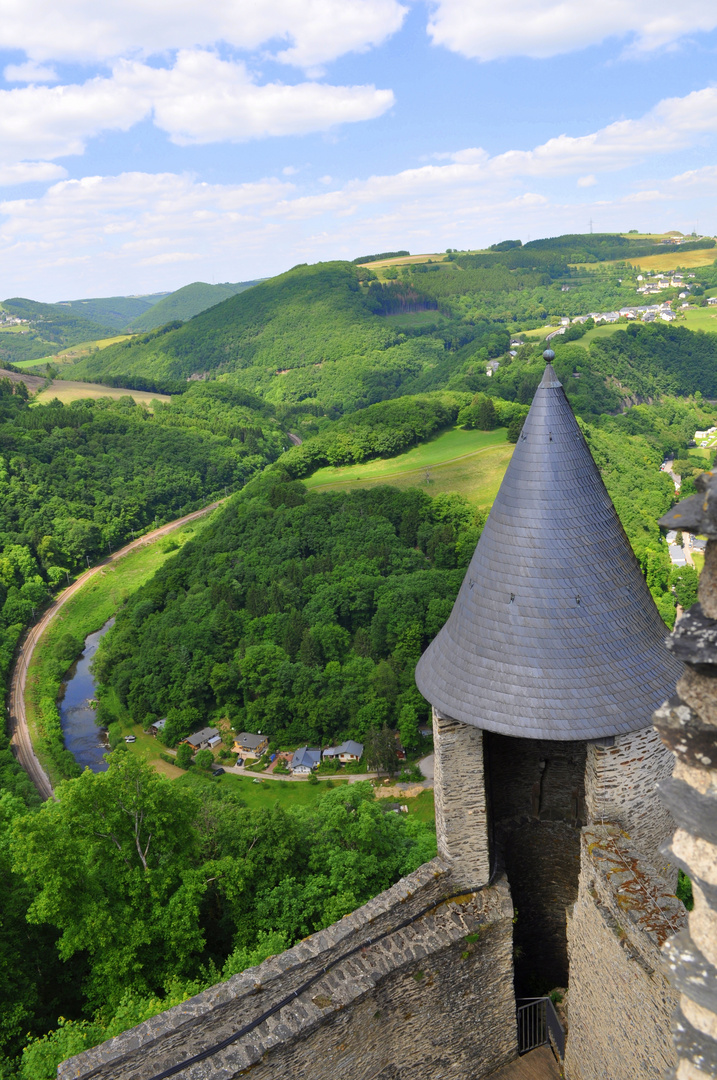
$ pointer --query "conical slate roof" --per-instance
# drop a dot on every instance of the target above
(554, 634)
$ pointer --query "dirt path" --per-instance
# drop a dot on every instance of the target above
(20, 740)
(407, 472)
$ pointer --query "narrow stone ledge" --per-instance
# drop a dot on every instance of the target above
(690, 739)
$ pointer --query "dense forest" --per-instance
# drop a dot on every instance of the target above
(79, 480)
(297, 613)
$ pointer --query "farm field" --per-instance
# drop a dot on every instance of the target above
(404, 260)
(702, 319)
(471, 463)
(66, 391)
(75, 352)
(602, 331)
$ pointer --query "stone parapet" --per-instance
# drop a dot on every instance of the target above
(460, 797)
(687, 724)
(621, 785)
(424, 992)
(620, 1000)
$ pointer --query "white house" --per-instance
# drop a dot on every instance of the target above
(346, 751)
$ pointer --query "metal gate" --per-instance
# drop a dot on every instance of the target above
(539, 1025)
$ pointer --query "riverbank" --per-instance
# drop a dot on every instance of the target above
(80, 610)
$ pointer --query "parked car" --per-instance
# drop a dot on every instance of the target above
(218, 772)
(130, 738)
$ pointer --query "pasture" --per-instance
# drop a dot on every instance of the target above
(74, 352)
(702, 318)
(471, 463)
(66, 391)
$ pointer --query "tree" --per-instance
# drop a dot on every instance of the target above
(684, 580)
(204, 759)
(515, 426)
(110, 863)
(184, 755)
(381, 753)
(408, 727)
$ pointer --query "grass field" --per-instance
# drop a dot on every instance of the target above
(414, 318)
(704, 318)
(75, 352)
(404, 260)
(289, 793)
(66, 391)
(86, 612)
(536, 335)
(471, 463)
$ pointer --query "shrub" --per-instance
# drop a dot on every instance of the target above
(184, 756)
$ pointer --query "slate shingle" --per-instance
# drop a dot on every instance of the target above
(578, 652)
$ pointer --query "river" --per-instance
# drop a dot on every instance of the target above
(83, 738)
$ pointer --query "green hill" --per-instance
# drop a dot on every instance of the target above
(315, 335)
(115, 311)
(46, 329)
(186, 302)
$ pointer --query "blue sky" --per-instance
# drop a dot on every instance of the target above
(148, 143)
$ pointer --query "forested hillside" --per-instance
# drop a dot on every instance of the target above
(112, 311)
(47, 329)
(297, 613)
(186, 302)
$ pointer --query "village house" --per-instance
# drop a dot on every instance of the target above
(204, 739)
(158, 726)
(247, 745)
(346, 751)
(305, 760)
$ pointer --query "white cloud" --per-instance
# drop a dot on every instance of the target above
(141, 232)
(484, 30)
(310, 32)
(201, 99)
(30, 172)
(29, 72)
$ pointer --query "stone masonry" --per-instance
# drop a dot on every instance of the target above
(460, 794)
(394, 996)
(620, 1000)
(621, 785)
(687, 724)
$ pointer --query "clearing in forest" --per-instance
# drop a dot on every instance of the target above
(66, 391)
(471, 463)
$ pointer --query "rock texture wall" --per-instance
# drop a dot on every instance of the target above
(621, 785)
(393, 997)
(536, 803)
(620, 1000)
(461, 817)
(688, 726)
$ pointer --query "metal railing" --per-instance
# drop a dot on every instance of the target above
(539, 1025)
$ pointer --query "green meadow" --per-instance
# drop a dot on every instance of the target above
(471, 463)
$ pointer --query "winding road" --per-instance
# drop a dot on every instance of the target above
(20, 740)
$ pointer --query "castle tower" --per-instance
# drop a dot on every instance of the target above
(543, 681)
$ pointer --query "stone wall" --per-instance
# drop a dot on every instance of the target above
(461, 818)
(621, 785)
(394, 996)
(620, 1000)
(536, 802)
(687, 725)
(536, 778)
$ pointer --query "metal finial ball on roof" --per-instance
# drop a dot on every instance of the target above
(548, 356)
